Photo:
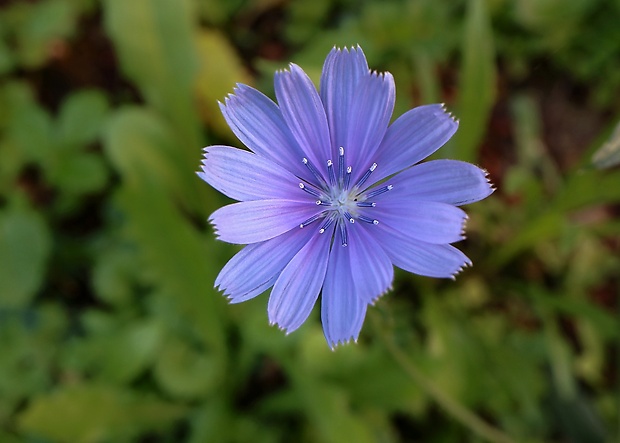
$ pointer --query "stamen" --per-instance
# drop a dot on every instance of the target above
(314, 171)
(379, 191)
(323, 203)
(347, 178)
(331, 173)
(366, 204)
(366, 175)
(367, 220)
(343, 234)
(312, 219)
(328, 221)
(349, 217)
(310, 191)
(341, 165)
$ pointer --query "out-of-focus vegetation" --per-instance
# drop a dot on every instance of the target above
(110, 329)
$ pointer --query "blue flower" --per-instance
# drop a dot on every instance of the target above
(331, 197)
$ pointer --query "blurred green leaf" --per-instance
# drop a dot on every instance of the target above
(185, 372)
(425, 75)
(584, 188)
(546, 226)
(79, 173)
(176, 252)
(95, 412)
(603, 321)
(114, 274)
(211, 421)
(217, 11)
(220, 70)
(117, 354)
(144, 141)
(40, 26)
(28, 126)
(30, 342)
(477, 83)
(330, 413)
(7, 60)
(157, 47)
(155, 40)
(305, 18)
(555, 20)
(82, 116)
(25, 246)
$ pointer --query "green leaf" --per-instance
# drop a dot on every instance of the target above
(139, 140)
(546, 226)
(7, 60)
(220, 69)
(554, 21)
(155, 43)
(330, 414)
(122, 354)
(425, 69)
(24, 249)
(95, 412)
(40, 25)
(185, 372)
(115, 274)
(477, 82)
(81, 118)
(30, 339)
(79, 173)
(180, 259)
(28, 126)
(584, 188)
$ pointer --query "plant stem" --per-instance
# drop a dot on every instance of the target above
(458, 411)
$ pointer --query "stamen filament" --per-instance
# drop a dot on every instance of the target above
(366, 204)
(328, 221)
(314, 171)
(343, 234)
(341, 166)
(379, 191)
(310, 191)
(312, 219)
(347, 178)
(349, 217)
(331, 173)
(367, 219)
(366, 175)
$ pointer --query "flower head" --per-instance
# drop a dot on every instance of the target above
(331, 197)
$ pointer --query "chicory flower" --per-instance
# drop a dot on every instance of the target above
(331, 196)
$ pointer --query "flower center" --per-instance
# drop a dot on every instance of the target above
(343, 203)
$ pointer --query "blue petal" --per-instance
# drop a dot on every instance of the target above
(431, 260)
(299, 284)
(412, 137)
(342, 71)
(242, 175)
(370, 113)
(370, 266)
(430, 222)
(304, 114)
(448, 181)
(256, 267)
(258, 123)
(342, 310)
(259, 220)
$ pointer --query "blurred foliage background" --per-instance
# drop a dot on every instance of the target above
(110, 329)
